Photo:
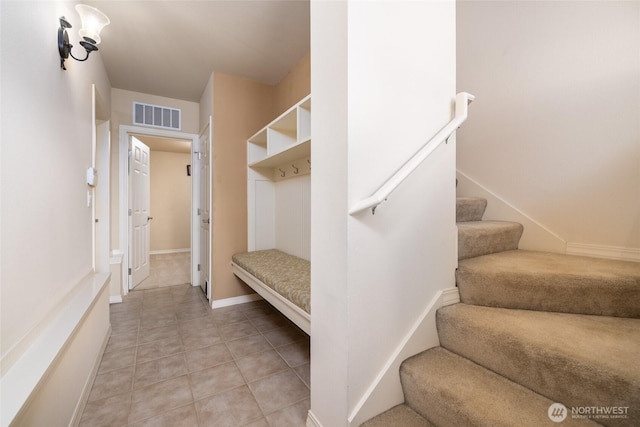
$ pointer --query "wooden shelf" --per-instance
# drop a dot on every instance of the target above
(259, 138)
(279, 183)
(290, 154)
(285, 139)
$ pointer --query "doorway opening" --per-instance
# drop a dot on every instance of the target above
(167, 217)
(175, 227)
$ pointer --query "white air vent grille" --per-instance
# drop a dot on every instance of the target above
(156, 115)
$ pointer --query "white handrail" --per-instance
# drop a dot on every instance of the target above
(463, 99)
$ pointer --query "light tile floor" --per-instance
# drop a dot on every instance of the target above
(173, 361)
(167, 270)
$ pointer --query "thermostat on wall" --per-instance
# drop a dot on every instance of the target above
(92, 177)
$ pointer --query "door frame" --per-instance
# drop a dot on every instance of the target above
(208, 130)
(101, 199)
(100, 194)
(123, 167)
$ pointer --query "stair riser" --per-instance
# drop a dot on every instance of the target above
(452, 391)
(400, 416)
(559, 294)
(545, 370)
(551, 282)
(470, 209)
(532, 329)
(486, 238)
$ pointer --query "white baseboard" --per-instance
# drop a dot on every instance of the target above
(312, 421)
(115, 299)
(450, 296)
(169, 251)
(536, 236)
(86, 390)
(219, 303)
(600, 251)
(385, 391)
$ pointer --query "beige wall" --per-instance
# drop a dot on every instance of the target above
(555, 128)
(206, 103)
(122, 104)
(294, 86)
(240, 108)
(49, 123)
(170, 201)
(121, 114)
(46, 226)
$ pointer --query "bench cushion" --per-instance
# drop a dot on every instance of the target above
(288, 275)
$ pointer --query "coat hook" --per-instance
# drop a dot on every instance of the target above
(282, 173)
(309, 161)
(295, 169)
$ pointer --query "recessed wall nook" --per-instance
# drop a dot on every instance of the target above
(279, 214)
(279, 183)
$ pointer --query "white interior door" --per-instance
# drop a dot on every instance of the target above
(203, 159)
(139, 211)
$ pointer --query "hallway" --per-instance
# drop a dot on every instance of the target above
(172, 360)
(167, 270)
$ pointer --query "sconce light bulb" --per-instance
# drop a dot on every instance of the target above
(93, 21)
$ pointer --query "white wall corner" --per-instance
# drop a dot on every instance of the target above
(536, 236)
(385, 391)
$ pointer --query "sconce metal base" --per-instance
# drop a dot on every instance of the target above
(89, 47)
(64, 47)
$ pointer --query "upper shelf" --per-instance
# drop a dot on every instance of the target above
(294, 152)
(285, 139)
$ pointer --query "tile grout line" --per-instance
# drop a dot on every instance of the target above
(193, 398)
(182, 302)
(133, 371)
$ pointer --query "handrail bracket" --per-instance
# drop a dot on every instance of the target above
(463, 99)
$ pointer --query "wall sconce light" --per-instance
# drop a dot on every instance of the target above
(92, 23)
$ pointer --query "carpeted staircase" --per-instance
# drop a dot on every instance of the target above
(532, 329)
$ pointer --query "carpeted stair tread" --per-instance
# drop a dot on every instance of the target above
(579, 360)
(450, 390)
(470, 208)
(398, 416)
(477, 238)
(551, 282)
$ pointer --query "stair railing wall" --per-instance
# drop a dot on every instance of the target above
(463, 99)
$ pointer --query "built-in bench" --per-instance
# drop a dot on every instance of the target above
(283, 280)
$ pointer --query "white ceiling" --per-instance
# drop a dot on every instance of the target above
(170, 48)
